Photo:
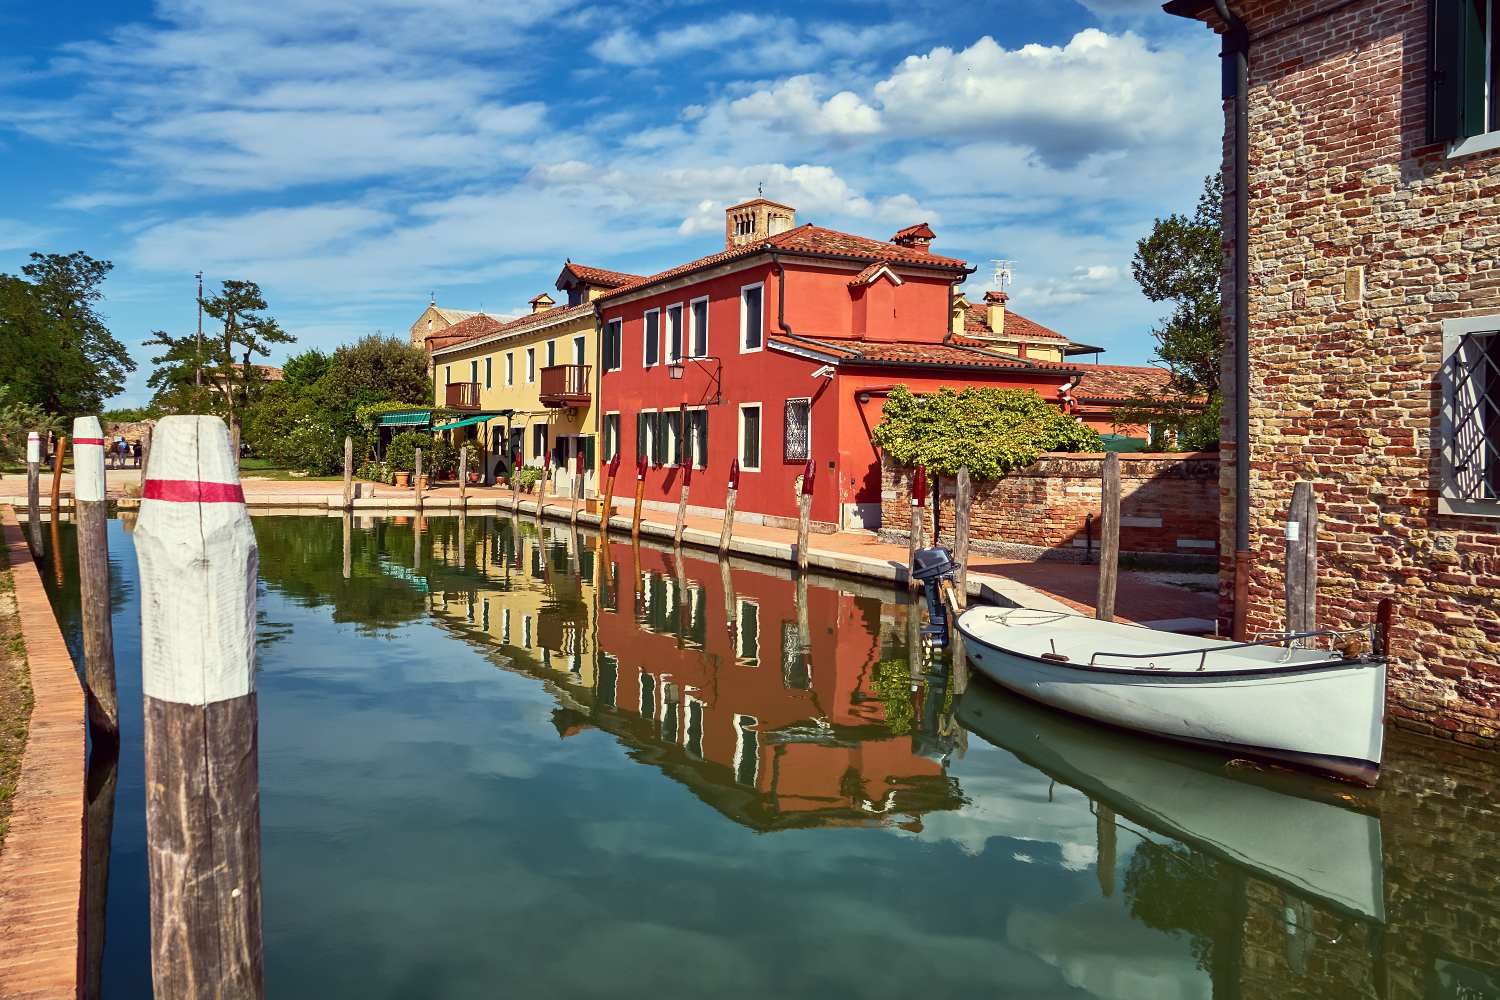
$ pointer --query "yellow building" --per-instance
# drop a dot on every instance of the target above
(528, 385)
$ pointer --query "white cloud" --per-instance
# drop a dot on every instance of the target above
(18, 235)
(795, 102)
(752, 43)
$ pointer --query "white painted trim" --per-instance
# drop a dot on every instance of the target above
(682, 334)
(740, 603)
(1482, 143)
(701, 408)
(760, 431)
(804, 352)
(645, 363)
(1453, 331)
(741, 724)
(761, 285)
(688, 701)
(884, 270)
(793, 399)
(692, 328)
(603, 436)
(619, 324)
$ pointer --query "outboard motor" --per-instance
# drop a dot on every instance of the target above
(932, 567)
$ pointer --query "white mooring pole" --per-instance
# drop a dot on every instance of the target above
(198, 565)
(91, 511)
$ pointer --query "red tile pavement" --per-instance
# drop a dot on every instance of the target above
(41, 867)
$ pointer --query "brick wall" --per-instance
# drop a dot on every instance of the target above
(1169, 505)
(1363, 239)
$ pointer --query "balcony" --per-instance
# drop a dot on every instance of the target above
(463, 396)
(565, 385)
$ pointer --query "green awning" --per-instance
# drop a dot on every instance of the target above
(406, 418)
(465, 422)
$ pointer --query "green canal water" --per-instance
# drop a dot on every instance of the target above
(504, 760)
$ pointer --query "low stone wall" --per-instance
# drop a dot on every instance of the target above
(1169, 506)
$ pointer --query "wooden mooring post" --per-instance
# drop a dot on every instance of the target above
(145, 452)
(726, 533)
(1109, 538)
(640, 500)
(576, 493)
(92, 515)
(515, 482)
(348, 472)
(918, 522)
(416, 480)
(682, 502)
(198, 562)
(726, 584)
(609, 495)
(963, 501)
(34, 491)
(57, 467)
(1302, 560)
(463, 477)
(804, 512)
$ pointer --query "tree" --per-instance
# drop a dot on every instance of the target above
(227, 361)
(375, 369)
(991, 431)
(55, 350)
(1181, 262)
(17, 419)
(302, 370)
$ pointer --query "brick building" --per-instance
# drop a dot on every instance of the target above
(1372, 262)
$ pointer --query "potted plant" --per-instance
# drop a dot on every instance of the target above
(403, 478)
(527, 478)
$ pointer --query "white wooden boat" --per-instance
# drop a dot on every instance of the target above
(1289, 829)
(1315, 709)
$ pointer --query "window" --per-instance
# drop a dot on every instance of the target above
(751, 321)
(538, 440)
(671, 437)
(795, 672)
(505, 625)
(1471, 416)
(578, 345)
(447, 374)
(612, 346)
(697, 437)
(692, 738)
(611, 436)
(489, 372)
(659, 451)
(606, 681)
(698, 327)
(750, 438)
(747, 636)
(652, 323)
(797, 442)
(648, 696)
(525, 631)
(474, 370)
(551, 353)
(510, 367)
(746, 750)
(674, 333)
(531, 364)
(669, 708)
(1464, 74)
(651, 437)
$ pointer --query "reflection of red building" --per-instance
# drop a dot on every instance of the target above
(774, 721)
(780, 347)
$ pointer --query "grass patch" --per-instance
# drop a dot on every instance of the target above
(15, 699)
(262, 468)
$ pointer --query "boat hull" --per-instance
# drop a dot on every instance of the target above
(1328, 720)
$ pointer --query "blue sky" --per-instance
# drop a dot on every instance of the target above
(354, 155)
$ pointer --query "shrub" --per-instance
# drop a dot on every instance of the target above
(528, 476)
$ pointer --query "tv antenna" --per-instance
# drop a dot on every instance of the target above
(1005, 273)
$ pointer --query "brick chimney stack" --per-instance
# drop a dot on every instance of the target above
(915, 238)
(754, 220)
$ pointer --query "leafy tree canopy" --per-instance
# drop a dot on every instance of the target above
(55, 351)
(992, 431)
(18, 418)
(302, 370)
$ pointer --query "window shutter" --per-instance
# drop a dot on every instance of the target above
(677, 446)
(1455, 70)
(588, 452)
(640, 436)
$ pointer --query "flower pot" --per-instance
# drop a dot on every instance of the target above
(403, 479)
(425, 480)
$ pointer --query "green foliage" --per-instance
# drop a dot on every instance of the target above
(129, 415)
(376, 369)
(369, 413)
(992, 431)
(893, 685)
(438, 456)
(302, 370)
(18, 418)
(55, 351)
(527, 477)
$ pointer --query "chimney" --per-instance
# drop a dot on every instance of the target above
(541, 303)
(755, 220)
(960, 309)
(995, 303)
(915, 238)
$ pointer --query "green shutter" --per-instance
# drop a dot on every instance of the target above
(588, 451)
(640, 436)
(1455, 69)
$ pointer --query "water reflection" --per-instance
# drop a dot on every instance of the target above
(492, 748)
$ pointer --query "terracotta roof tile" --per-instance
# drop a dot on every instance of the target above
(1117, 383)
(920, 231)
(924, 353)
(977, 320)
(808, 239)
(494, 329)
(869, 274)
(476, 325)
(598, 276)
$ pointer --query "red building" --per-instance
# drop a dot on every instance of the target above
(779, 348)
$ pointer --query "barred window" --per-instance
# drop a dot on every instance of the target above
(1471, 411)
(797, 445)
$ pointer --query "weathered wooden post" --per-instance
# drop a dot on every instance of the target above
(918, 522)
(34, 490)
(515, 482)
(961, 504)
(463, 477)
(609, 496)
(145, 451)
(57, 466)
(727, 532)
(726, 584)
(198, 565)
(545, 484)
(92, 515)
(804, 513)
(640, 500)
(682, 502)
(416, 481)
(234, 442)
(348, 472)
(463, 538)
(1302, 560)
(1109, 538)
(577, 491)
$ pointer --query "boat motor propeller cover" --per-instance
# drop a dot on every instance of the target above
(933, 566)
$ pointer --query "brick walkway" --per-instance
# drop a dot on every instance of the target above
(41, 869)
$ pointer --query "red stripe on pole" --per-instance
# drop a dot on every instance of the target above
(79, 441)
(191, 491)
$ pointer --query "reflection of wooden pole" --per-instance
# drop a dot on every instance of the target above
(1104, 867)
(804, 628)
(1302, 560)
(727, 532)
(726, 584)
(918, 523)
(577, 490)
(92, 516)
(463, 538)
(348, 544)
(57, 563)
(57, 466)
(34, 491)
(804, 513)
(515, 482)
(962, 502)
(99, 826)
(1109, 538)
(463, 477)
(348, 472)
(416, 480)
(640, 498)
(198, 563)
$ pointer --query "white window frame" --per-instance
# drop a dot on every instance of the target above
(646, 361)
(744, 328)
(489, 372)
(743, 722)
(552, 353)
(1490, 139)
(688, 701)
(580, 349)
(604, 433)
(739, 437)
(701, 460)
(651, 428)
(669, 449)
(530, 365)
(740, 604)
(618, 352)
(505, 625)
(1454, 330)
(795, 399)
(510, 368)
(692, 326)
(666, 336)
